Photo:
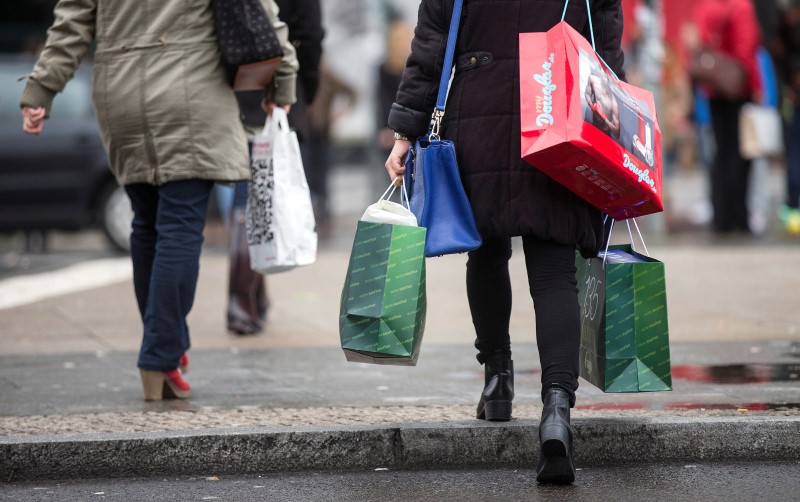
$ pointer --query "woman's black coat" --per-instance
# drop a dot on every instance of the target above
(509, 196)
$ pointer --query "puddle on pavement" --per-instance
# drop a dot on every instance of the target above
(722, 374)
(738, 373)
(691, 406)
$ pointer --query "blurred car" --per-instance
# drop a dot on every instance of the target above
(60, 179)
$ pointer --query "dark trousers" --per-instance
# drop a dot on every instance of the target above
(730, 172)
(553, 287)
(793, 162)
(165, 249)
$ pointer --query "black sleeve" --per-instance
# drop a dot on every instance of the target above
(416, 96)
(608, 23)
(304, 18)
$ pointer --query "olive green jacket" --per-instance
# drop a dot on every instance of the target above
(163, 105)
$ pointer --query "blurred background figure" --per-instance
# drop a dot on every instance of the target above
(399, 34)
(728, 28)
(306, 33)
(785, 48)
(300, 25)
(759, 198)
(644, 47)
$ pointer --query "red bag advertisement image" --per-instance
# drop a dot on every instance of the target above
(594, 134)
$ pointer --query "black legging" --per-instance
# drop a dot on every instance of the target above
(551, 278)
(730, 172)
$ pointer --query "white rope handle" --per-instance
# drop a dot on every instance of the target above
(404, 201)
(630, 234)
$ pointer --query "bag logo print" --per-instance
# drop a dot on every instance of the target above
(259, 222)
(544, 103)
(643, 174)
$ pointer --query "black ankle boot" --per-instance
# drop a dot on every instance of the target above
(495, 403)
(556, 454)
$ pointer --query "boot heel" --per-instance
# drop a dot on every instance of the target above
(152, 384)
(498, 411)
(553, 448)
(554, 434)
(556, 454)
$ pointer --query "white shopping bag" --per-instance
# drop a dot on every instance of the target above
(386, 211)
(760, 131)
(280, 219)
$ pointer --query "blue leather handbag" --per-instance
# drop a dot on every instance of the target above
(432, 179)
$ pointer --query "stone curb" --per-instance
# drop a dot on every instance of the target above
(443, 445)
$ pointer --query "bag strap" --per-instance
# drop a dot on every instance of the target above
(591, 33)
(447, 68)
(630, 234)
(589, 13)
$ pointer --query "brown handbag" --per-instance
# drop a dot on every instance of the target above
(724, 74)
(249, 46)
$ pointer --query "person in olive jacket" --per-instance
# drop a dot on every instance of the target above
(509, 196)
(171, 127)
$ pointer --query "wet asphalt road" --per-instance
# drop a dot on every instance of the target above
(700, 482)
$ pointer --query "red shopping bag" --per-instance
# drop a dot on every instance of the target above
(594, 134)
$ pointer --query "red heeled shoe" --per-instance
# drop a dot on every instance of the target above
(158, 385)
(184, 364)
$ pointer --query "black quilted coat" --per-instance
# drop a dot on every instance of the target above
(509, 196)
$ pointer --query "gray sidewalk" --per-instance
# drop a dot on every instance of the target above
(70, 400)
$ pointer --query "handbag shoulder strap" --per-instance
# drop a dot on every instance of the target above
(447, 68)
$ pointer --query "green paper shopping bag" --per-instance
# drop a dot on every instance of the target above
(383, 304)
(624, 331)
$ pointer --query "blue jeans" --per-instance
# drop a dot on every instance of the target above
(165, 249)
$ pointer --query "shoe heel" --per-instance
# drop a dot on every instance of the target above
(153, 385)
(557, 465)
(554, 440)
(498, 411)
(553, 448)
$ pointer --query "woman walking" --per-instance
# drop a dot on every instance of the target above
(171, 128)
(509, 196)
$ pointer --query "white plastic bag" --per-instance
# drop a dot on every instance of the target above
(760, 131)
(280, 219)
(386, 211)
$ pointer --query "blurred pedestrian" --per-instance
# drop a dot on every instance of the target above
(171, 127)
(299, 27)
(509, 196)
(727, 29)
(398, 46)
(786, 51)
(306, 33)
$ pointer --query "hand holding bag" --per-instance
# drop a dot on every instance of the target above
(280, 219)
(247, 43)
(432, 177)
